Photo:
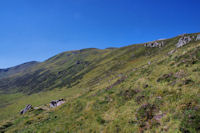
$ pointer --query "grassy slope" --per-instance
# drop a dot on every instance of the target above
(17, 69)
(117, 92)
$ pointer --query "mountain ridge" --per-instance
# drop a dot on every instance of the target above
(16, 69)
(56, 67)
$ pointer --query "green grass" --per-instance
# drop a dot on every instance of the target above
(112, 90)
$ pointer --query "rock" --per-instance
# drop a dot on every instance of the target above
(56, 103)
(159, 97)
(134, 69)
(198, 37)
(171, 52)
(78, 62)
(36, 108)
(159, 116)
(27, 108)
(165, 128)
(43, 107)
(183, 41)
(154, 44)
(180, 74)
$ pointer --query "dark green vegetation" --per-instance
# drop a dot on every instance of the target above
(129, 89)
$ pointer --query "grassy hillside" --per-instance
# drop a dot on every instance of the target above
(17, 69)
(137, 88)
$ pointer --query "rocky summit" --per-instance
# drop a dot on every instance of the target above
(141, 88)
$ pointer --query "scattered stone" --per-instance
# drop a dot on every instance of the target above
(43, 107)
(159, 97)
(165, 128)
(154, 44)
(56, 103)
(78, 62)
(198, 37)
(36, 108)
(183, 41)
(134, 69)
(159, 116)
(180, 74)
(173, 83)
(27, 108)
(171, 52)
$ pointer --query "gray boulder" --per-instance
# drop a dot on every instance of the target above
(183, 41)
(56, 103)
(154, 44)
(198, 37)
(27, 108)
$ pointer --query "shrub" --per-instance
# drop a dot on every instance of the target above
(100, 120)
(191, 120)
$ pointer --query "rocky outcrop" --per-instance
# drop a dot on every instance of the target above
(27, 108)
(183, 41)
(198, 37)
(53, 104)
(56, 103)
(154, 44)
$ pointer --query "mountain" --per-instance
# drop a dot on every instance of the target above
(150, 87)
(17, 69)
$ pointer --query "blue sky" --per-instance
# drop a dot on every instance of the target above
(38, 29)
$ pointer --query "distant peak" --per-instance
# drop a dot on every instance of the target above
(111, 48)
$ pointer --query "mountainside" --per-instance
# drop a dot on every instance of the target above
(4, 73)
(150, 87)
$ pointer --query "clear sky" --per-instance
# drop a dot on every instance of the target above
(38, 29)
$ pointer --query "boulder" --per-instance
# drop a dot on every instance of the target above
(171, 52)
(154, 44)
(56, 103)
(198, 37)
(183, 41)
(27, 108)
